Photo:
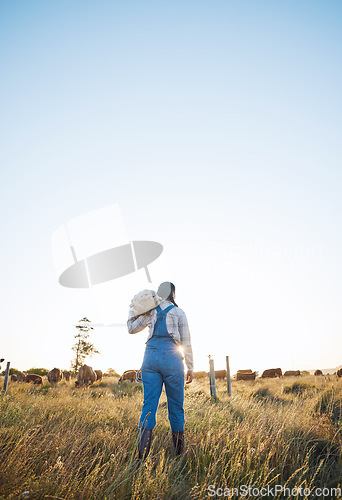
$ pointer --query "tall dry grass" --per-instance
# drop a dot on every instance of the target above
(61, 442)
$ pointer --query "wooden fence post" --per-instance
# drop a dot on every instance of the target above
(6, 376)
(229, 385)
(212, 378)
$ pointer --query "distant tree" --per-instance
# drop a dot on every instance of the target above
(12, 371)
(111, 373)
(38, 371)
(82, 347)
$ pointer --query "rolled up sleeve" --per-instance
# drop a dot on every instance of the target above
(136, 324)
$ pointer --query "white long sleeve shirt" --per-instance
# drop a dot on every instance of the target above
(176, 324)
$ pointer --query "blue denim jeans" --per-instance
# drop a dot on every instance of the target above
(162, 364)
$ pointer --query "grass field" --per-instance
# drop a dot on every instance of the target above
(66, 443)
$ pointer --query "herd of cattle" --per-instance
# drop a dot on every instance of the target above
(275, 373)
(270, 373)
(87, 376)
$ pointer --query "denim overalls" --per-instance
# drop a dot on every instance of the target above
(163, 363)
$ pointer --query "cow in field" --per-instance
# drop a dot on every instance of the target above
(32, 377)
(21, 377)
(272, 373)
(54, 376)
(66, 376)
(318, 373)
(292, 373)
(221, 374)
(14, 378)
(245, 375)
(200, 374)
(339, 373)
(130, 375)
(99, 375)
(86, 376)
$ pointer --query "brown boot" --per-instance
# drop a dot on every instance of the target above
(178, 441)
(145, 438)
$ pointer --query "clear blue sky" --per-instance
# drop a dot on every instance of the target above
(216, 128)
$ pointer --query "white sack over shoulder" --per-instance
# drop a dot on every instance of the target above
(144, 301)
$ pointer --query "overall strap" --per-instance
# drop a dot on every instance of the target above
(161, 321)
(167, 309)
